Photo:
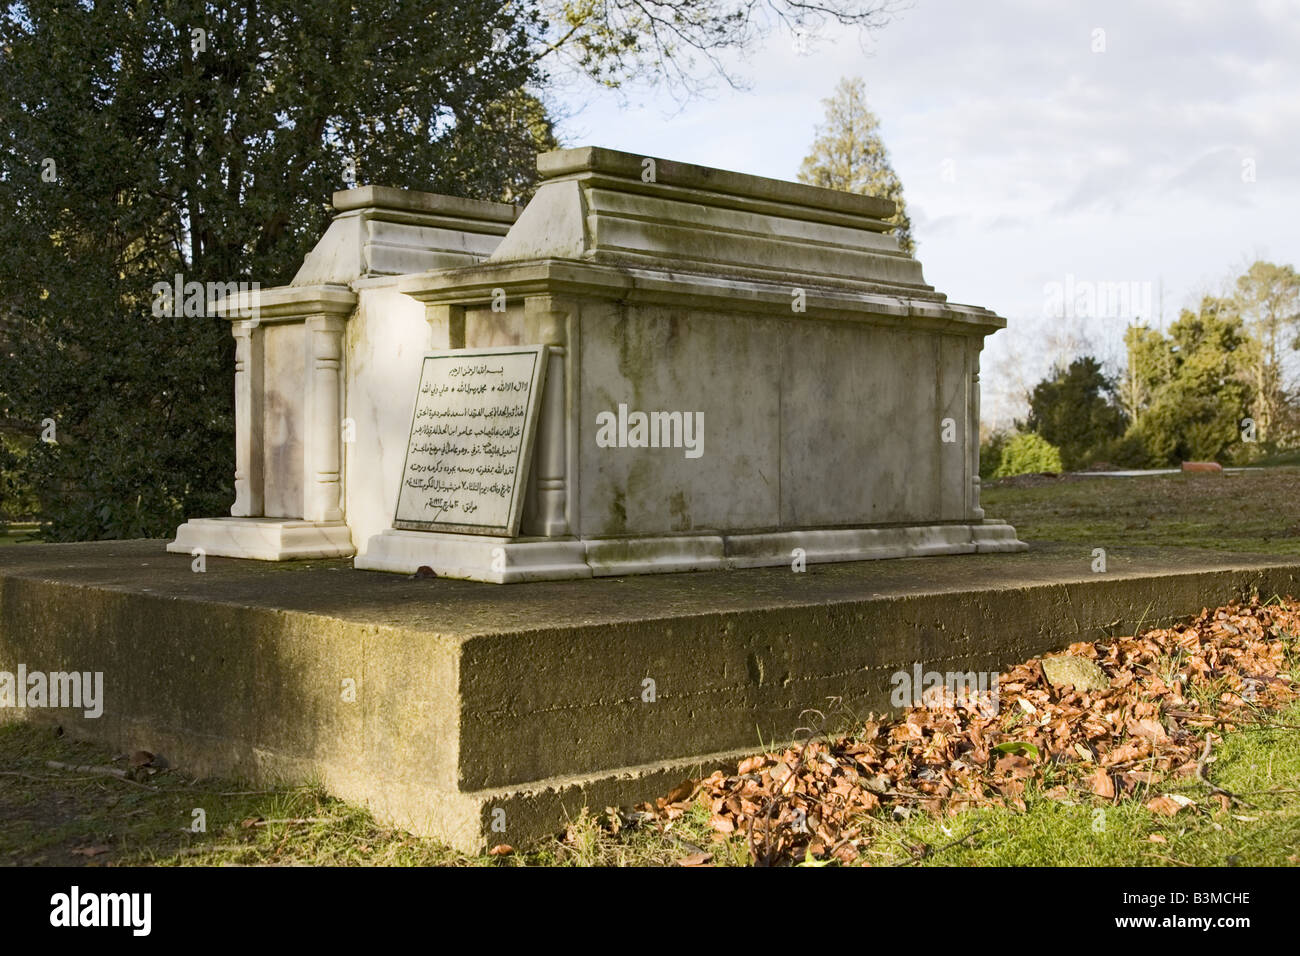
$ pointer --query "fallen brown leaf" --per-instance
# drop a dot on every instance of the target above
(1164, 806)
(1146, 727)
(1102, 785)
(681, 792)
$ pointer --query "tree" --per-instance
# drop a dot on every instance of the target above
(17, 503)
(1146, 368)
(1075, 411)
(516, 128)
(848, 154)
(198, 138)
(1268, 298)
(683, 43)
(1198, 381)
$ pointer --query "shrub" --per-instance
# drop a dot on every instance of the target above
(1127, 452)
(17, 502)
(991, 452)
(1028, 453)
(1074, 409)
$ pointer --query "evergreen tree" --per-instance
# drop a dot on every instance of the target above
(205, 139)
(1075, 411)
(848, 154)
(1198, 381)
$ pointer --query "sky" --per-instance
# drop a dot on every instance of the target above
(1134, 155)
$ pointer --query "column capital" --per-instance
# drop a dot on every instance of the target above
(288, 304)
(546, 318)
(326, 322)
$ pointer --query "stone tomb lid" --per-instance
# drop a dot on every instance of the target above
(594, 161)
(605, 207)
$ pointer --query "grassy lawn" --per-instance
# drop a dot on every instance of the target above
(73, 815)
(1261, 765)
(70, 817)
(17, 533)
(1256, 511)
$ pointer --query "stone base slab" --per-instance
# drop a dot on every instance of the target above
(264, 539)
(474, 707)
(512, 560)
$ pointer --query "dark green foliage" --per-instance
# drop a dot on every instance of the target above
(1075, 411)
(1184, 395)
(1197, 386)
(16, 499)
(991, 452)
(213, 156)
(1127, 451)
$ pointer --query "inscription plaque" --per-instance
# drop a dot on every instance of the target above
(471, 436)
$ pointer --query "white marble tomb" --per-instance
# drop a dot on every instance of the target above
(739, 372)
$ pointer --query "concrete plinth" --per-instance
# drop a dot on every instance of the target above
(439, 702)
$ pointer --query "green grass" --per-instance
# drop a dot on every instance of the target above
(1262, 766)
(17, 533)
(46, 815)
(1276, 459)
(1251, 511)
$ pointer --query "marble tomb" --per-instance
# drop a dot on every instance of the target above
(665, 367)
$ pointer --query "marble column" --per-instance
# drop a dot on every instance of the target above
(248, 420)
(546, 322)
(323, 464)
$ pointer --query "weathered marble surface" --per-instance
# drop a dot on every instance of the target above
(384, 231)
(386, 339)
(323, 385)
(837, 393)
(284, 391)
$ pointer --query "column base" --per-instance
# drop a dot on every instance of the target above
(264, 539)
(511, 560)
(472, 557)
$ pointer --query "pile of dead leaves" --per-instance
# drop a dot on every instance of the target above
(1169, 689)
